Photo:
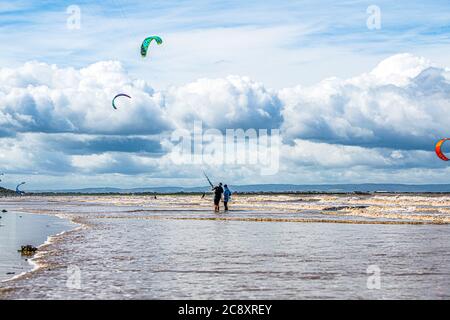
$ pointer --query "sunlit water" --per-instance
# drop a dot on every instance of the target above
(267, 247)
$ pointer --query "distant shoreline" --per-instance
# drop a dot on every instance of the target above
(362, 188)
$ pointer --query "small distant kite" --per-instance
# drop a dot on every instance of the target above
(145, 44)
(438, 150)
(119, 95)
(19, 192)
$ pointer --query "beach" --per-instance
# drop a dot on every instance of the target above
(291, 246)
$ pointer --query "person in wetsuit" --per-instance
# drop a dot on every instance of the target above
(218, 190)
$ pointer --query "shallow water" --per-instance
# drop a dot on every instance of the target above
(175, 247)
(18, 229)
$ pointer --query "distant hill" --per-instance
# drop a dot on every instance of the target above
(6, 192)
(335, 188)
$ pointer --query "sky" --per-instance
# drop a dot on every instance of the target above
(353, 101)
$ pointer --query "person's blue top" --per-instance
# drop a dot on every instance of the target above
(226, 195)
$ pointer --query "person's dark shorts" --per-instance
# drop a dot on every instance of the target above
(216, 201)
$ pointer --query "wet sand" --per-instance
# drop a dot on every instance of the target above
(267, 247)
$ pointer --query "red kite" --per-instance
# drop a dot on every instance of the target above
(439, 153)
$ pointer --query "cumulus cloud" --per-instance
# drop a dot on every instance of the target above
(38, 97)
(80, 144)
(28, 154)
(401, 104)
(59, 121)
(233, 102)
(324, 155)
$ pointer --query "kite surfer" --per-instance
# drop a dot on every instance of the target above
(218, 190)
(226, 197)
